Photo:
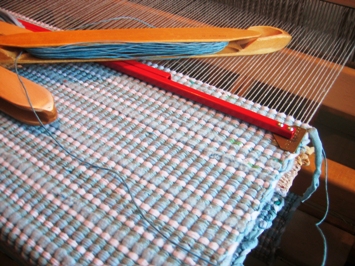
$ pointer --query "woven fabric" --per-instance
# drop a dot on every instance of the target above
(201, 177)
(269, 240)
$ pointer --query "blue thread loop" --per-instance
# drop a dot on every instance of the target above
(320, 155)
(313, 134)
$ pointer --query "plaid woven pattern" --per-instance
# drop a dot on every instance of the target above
(201, 177)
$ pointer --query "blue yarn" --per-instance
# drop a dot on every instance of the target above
(320, 155)
(325, 250)
(121, 50)
(313, 134)
(127, 50)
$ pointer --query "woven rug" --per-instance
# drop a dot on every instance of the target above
(204, 179)
(269, 240)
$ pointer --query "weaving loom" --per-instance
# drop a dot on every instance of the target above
(210, 183)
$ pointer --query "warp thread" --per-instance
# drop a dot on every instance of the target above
(8, 18)
(114, 19)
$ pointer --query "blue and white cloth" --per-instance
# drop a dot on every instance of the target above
(204, 179)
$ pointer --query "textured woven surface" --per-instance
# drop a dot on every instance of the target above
(203, 178)
(269, 240)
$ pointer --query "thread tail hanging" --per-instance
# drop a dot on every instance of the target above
(314, 136)
(320, 156)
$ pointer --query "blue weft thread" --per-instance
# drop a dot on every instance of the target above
(319, 156)
(127, 50)
(313, 134)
